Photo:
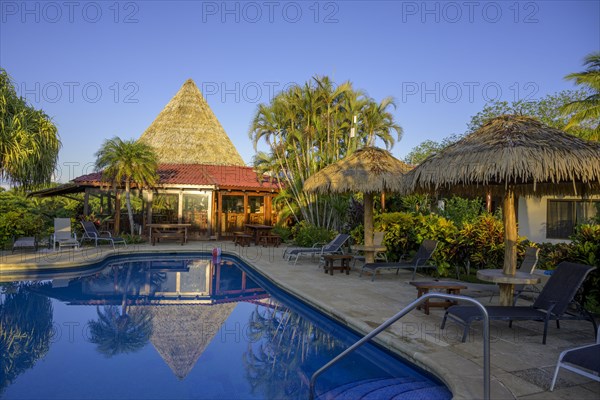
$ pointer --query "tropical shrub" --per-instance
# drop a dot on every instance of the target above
(460, 210)
(307, 235)
(283, 232)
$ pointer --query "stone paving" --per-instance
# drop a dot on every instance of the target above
(521, 366)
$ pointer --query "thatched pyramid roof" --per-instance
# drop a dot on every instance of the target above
(511, 150)
(368, 170)
(181, 333)
(187, 132)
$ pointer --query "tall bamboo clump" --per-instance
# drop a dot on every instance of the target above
(309, 127)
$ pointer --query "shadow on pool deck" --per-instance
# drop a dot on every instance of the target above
(521, 365)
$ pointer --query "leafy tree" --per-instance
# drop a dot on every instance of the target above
(29, 141)
(309, 127)
(547, 110)
(129, 162)
(585, 113)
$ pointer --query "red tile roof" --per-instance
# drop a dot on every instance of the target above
(221, 176)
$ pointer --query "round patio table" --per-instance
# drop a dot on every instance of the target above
(369, 251)
(506, 282)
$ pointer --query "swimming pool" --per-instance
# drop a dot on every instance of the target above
(182, 326)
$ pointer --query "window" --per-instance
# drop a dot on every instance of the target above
(564, 215)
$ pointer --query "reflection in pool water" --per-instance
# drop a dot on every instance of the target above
(183, 327)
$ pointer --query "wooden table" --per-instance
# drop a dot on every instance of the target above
(168, 231)
(258, 230)
(424, 288)
(330, 260)
(369, 251)
(506, 282)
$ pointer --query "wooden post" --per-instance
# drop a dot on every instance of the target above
(117, 228)
(510, 244)
(368, 225)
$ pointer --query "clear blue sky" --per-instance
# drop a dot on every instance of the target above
(106, 68)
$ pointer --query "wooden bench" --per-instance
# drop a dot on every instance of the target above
(242, 239)
(168, 233)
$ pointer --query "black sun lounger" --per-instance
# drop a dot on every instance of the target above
(418, 261)
(551, 304)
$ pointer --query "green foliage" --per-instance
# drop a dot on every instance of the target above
(25, 332)
(460, 210)
(23, 216)
(283, 232)
(480, 242)
(550, 110)
(131, 162)
(307, 235)
(417, 203)
(306, 128)
(29, 141)
(584, 114)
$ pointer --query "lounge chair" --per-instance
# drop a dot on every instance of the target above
(552, 303)
(379, 256)
(91, 233)
(62, 234)
(583, 360)
(25, 242)
(332, 247)
(418, 261)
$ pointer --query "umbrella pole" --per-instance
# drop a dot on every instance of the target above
(510, 245)
(368, 198)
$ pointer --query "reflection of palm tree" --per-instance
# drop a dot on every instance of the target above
(25, 331)
(281, 342)
(116, 333)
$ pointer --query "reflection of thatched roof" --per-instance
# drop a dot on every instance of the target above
(367, 170)
(187, 132)
(181, 333)
(515, 150)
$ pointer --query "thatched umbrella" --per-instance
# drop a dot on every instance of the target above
(368, 170)
(511, 155)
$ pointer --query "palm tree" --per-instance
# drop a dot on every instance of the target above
(29, 141)
(379, 122)
(129, 162)
(307, 128)
(586, 111)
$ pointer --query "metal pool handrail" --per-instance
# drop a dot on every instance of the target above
(406, 310)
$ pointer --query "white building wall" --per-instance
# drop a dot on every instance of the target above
(532, 213)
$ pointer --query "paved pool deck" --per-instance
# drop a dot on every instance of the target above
(521, 366)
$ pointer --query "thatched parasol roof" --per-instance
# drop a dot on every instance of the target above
(182, 333)
(511, 155)
(368, 170)
(511, 150)
(187, 132)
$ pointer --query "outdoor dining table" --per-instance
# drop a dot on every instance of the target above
(258, 230)
(506, 282)
(168, 230)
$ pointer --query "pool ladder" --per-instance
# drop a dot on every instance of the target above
(406, 310)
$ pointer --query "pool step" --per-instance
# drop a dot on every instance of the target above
(387, 388)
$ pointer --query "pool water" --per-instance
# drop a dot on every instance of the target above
(182, 327)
